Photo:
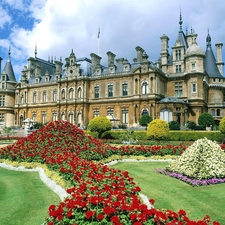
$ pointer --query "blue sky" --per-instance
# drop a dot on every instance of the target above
(58, 26)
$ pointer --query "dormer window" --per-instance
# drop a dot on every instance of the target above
(178, 54)
(3, 77)
(46, 79)
(36, 80)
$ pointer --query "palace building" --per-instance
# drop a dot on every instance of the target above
(185, 82)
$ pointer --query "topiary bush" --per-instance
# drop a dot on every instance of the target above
(191, 125)
(222, 125)
(145, 120)
(99, 124)
(206, 120)
(174, 125)
(158, 130)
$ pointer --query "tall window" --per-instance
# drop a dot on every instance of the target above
(144, 112)
(110, 90)
(54, 116)
(63, 94)
(63, 116)
(166, 114)
(2, 117)
(44, 120)
(178, 89)
(96, 91)
(35, 97)
(2, 100)
(218, 112)
(96, 113)
(110, 112)
(44, 96)
(178, 69)
(71, 93)
(194, 87)
(71, 117)
(125, 89)
(54, 95)
(34, 117)
(79, 91)
(178, 54)
(125, 117)
(213, 112)
(145, 87)
(22, 98)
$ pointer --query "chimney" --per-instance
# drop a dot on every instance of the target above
(95, 61)
(58, 67)
(219, 58)
(119, 61)
(111, 58)
(140, 52)
(164, 52)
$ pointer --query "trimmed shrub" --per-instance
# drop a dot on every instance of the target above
(206, 120)
(174, 125)
(145, 120)
(222, 125)
(99, 124)
(158, 130)
(191, 125)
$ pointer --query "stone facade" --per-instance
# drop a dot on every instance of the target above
(184, 83)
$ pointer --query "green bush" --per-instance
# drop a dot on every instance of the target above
(222, 125)
(158, 130)
(206, 120)
(99, 124)
(174, 125)
(145, 120)
(191, 125)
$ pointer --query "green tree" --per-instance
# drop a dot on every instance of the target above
(99, 124)
(145, 120)
(158, 130)
(222, 125)
(206, 120)
(191, 125)
(174, 125)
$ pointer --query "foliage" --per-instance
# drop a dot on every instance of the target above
(145, 120)
(98, 194)
(222, 125)
(191, 125)
(174, 125)
(99, 124)
(158, 130)
(204, 159)
(38, 125)
(206, 120)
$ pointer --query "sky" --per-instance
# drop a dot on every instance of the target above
(56, 27)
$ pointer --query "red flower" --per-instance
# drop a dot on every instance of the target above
(100, 217)
(152, 201)
(115, 219)
(90, 214)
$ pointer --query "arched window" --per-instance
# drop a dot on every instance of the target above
(63, 94)
(144, 112)
(71, 93)
(71, 117)
(145, 87)
(63, 116)
(213, 112)
(166, 114)
(218, 112)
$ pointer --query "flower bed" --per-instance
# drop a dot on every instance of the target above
(98, 194)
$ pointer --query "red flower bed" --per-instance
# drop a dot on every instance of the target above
(98, 194)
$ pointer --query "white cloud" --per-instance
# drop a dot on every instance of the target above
(5, 18)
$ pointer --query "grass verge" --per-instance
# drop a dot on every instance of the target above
(170, 193)
(24, 198)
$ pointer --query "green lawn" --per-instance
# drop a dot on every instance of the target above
(170, 193)
(24, 198)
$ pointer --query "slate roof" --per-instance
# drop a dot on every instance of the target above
(9, 70)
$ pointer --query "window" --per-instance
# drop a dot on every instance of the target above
(178, 69)
(193, 66)
(44, 118)
(125, 89)
(2, 100)
(144, 112)
(63, 94)
(63, 117)
(178, 89)
(166, 115)
(22, 98)
(110, 90)
(96, 113)
(145, 87)
(125, 117)
(213, 112)
(2, 117)
(34, 97)
(3, 85)
(71, 93)
(194, 89)
(54, 116)
(54, 95)
(178, 54)
(3, 77)
(218, 112)
(71, 117)
(110, 112)
(34, 117)
(214, 79)
(44, 99)
(96, 91)
(79, 91)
